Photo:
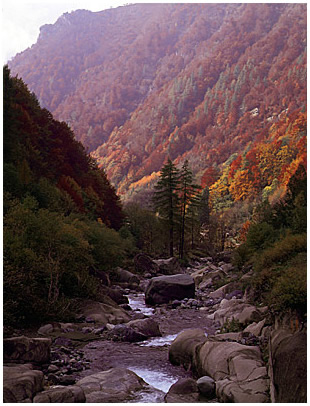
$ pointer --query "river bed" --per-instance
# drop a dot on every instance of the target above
(148, 359)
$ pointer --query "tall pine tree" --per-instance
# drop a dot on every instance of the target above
(166, 198)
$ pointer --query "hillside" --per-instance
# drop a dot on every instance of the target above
(205, 82)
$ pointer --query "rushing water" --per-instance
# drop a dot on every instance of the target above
(137, 303)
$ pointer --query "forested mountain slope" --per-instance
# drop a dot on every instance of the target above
(211, 83)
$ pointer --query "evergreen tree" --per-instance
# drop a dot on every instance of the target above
(166, 198)
(188, 197)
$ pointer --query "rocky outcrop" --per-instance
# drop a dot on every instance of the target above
(23, 349)
(21, 383)
(61, 394)
(114, 385)
(288, 359)
(185, 390)
(237, 369)
(163, 289)
(168, 266)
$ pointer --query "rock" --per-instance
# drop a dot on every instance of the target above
(104, 313)
(144, 263)
(238, 310)
(238, 370)
(227, 267)
(24, 349)
(116, 294)
(69, 394)
(288, 357)
(122, 332)
(185, 390)
(219, 293)
(169, 266)
(206, 386)
(66, 380)
(148, 327)
(122, 276)
(162, 289)
(255, 328)
(21, 383)
(114, 385)
(63, 341)
(110, 326)
(52, 368)
(183, 347)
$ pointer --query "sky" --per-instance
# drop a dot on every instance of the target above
(22, 19)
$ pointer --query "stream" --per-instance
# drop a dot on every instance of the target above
(148, 359)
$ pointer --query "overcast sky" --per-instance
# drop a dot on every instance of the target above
(22, 19)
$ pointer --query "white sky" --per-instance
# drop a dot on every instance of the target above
(22, 19)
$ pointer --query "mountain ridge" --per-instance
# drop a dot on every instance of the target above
(197, 82)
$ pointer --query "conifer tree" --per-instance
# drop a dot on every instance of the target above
(188, 197)
(166, 198)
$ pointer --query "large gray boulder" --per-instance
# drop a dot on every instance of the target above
(21, 383)
(114, 385)
(25, 349)
(170, 266)
(121, 275)
(61, 394)
(163, 289)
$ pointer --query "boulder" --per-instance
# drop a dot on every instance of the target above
(168, 266)
(21, 383)
(148, 327)
(206, 386)
(185, 390)
(122, 332)
(238, 370)
(145, 264)
(288, 358)
(24, 349)
(163, 289)
(60, 394)
(104, 313)
(255, 328)
(183, 347)
(114, 385)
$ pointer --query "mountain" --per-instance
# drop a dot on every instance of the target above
(211, 83)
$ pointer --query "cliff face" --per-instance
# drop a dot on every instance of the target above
(193, 81)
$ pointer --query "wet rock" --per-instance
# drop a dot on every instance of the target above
(114, 385)
(69, 394)
(163, 289)
(206, 386)
(185, 390)
(144, 263)
(24, 349)
(21, 383)
(170, 266)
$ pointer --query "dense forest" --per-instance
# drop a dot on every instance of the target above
(219, 85)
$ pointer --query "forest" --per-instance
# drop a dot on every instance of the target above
(219, 85)
(63, 221)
